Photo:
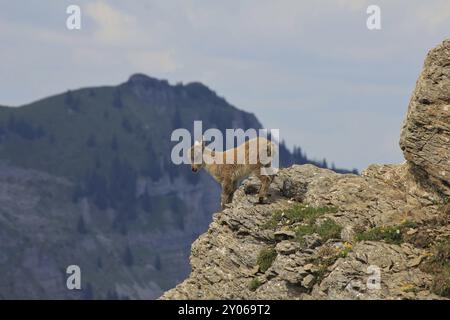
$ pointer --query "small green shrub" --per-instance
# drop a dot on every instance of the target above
(328, 229)
(255, 284)
(265, 258)
(390, 234)
(298, 213)
(304, 230)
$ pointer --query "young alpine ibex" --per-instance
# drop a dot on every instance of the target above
(248, 158)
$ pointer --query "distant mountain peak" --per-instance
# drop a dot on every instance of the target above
(199, 88)
(195, 87)
(143, 79)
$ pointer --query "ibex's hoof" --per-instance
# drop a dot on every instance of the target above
(251, 188)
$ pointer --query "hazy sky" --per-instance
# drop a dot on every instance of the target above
(310, 68)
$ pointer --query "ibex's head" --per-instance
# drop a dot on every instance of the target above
(196, 155)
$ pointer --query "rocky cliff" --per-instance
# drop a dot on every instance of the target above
(425, 137)
(383, 234)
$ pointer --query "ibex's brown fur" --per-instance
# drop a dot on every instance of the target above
(229, 174)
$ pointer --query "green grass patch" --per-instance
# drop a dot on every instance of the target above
(298, 213)
(265, 258)
(389, 234)
(255, 284)
(327, 229)
(307, 217)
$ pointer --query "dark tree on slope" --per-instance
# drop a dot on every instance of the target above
(97, 188)
(88, 292)
(24, 129)
(152, 168)
(81, 226)
(112, 295)
(68, 98)
(114, 143)
(157, 264)
(122, 184)
(11, 122)
(51, 139)
(72, 102)
(78, 192)
(177, 120)
(91, 141)
(117, 99)
(128, 258)
(99, 263)
(126, 125)
(146, 201)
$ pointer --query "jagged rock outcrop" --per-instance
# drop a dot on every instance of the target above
(379, 235)
(425, 137)
(224, 260)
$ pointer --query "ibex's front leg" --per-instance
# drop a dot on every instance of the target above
(228, 189)
(263, 191)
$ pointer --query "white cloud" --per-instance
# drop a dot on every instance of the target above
(112, 26)
(434, 15)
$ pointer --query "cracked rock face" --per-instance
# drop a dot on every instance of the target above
(425, 136)
(224, 259)
(381, 226)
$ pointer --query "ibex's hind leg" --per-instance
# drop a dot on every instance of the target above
(263, 191)
(228, 189)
